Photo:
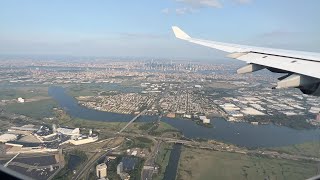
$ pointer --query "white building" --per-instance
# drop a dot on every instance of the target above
(80, 141)
(206, 121)
(134, 153)
(20, 100)
(101, 170)
(69, 132)
(187, 116)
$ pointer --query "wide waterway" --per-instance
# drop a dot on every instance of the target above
(241, 134)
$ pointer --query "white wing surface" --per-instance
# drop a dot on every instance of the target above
(302, 68)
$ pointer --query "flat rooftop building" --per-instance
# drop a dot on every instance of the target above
(69, 132)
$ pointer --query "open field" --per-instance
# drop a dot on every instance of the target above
(35, 109)
(305, 149)
(76, 90)
(9, 93)
(203, 164)
(106, 128)
(83, 90)
(164, 127)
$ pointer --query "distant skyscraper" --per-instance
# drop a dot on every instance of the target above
(101, 170)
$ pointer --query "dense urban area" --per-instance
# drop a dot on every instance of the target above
(116, 119)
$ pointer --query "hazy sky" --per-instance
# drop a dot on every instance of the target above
(143, 27)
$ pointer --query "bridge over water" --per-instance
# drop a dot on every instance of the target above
(132, 120)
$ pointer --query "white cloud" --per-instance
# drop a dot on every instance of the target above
(165, 11)
(202, 3)
(185, 10)
(243, 1)
(192, 6)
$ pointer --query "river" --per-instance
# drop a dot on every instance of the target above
(241, 134)
(171, 169)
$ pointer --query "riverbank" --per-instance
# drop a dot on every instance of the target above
(241, 134)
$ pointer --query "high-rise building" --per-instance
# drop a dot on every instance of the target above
(101, 170)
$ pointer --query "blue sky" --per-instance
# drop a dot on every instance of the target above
(143, 27)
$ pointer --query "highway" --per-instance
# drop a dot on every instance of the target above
(89, 164)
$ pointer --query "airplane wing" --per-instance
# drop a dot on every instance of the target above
(302, 68)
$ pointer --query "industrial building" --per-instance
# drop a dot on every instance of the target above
(129, 163)
(32, 139)
(83, 140)
(26, 129)
(101, 170)
(68, 131)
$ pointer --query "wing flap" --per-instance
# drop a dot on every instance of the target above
(308, 68)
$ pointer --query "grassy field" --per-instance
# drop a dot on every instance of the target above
(163, 160)
(105, 128)
(36, 109)
(83, 90)
(23, 91)
(142, 142)
(163, 129)
(203, 164)
(305, 149)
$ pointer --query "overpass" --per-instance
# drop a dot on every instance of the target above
(136, 117)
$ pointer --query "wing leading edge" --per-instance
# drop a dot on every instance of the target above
(302, 68)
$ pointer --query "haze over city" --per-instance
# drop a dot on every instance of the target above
(142, 28)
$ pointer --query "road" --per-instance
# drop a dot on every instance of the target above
(132, 120)
(85, 169)
(149, 164)
(88, 164)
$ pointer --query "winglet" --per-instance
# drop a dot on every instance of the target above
(179, 33)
